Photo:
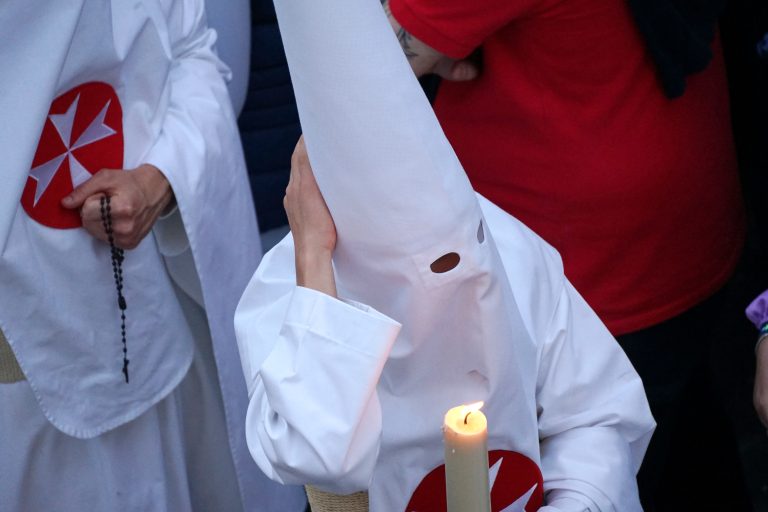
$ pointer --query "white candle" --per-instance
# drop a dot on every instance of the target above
(465, 433)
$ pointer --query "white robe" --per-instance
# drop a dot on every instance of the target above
(231, 19)
(351, 395)
(331, 406)
(140, 79)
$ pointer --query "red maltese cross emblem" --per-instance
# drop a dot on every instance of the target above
(516, 485)
(83, 134)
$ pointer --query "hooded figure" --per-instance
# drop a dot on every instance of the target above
(105, 84)
(447, 300)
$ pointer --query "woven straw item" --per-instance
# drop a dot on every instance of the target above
(9, 367)
(322, 501)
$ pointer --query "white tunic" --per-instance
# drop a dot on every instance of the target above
(89, 84)
(351, 395)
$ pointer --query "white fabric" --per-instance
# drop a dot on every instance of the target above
(314, 416)
(568, 501)
(58, 283)
(232, 21)
(137, 467)
(210, 470)
(147, 464)
(22, 50)
(170, 233)
(342, 401)
(57, 304)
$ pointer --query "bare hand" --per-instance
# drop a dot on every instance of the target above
(137, 198)
(760, 395)
(425, 60)
(314, 233)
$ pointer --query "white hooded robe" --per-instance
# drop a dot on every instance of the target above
(350, 394)
(89, 84)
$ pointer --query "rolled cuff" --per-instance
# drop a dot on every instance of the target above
(170, 233)
(348, 323)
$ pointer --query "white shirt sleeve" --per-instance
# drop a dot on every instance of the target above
(594, 419)
(194, 144)
(197, 93)
(170, 234)
(173, 244)
(314, 415)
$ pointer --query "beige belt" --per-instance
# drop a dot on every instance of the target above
(9, 367)
(321, 501)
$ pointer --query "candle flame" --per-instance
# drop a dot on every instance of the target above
(469, 409)
(476, 406)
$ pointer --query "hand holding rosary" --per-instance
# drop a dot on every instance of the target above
(144, 193)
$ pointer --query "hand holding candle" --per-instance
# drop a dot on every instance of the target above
(465, 434)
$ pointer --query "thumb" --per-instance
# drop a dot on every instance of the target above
(99, 183)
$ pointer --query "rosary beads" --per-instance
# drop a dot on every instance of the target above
(117, 269)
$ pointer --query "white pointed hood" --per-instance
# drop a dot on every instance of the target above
(374, 142)
(401, 200)
(398, 194)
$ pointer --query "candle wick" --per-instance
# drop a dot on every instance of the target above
(467, 417)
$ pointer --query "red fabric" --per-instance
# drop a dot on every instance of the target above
(515, 480)
(568, 129)
(44, 190)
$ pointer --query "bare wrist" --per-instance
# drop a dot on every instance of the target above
(761, 347)
(314, 269)
(156, 186)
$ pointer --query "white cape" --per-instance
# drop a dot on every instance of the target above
(169, 104)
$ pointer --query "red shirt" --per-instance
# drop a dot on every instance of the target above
(568, 129)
